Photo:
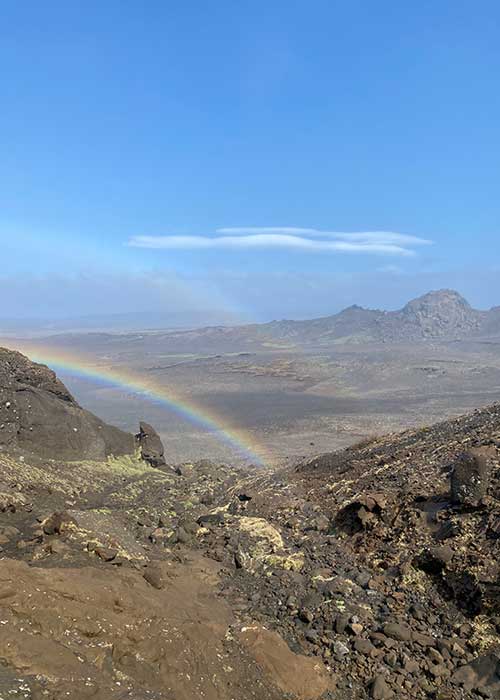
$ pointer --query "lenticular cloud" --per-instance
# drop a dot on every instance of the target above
(272, 237)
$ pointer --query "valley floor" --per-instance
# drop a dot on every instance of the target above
(296, 403)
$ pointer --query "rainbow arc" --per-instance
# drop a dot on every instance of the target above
(241, 441)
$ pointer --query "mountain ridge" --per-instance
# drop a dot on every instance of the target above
(440, 315)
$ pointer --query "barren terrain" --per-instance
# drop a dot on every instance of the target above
(296, 388)
(370, 572)
(297, 402)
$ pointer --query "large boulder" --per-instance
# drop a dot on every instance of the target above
(150, 445)
(482, 672)
(471, 476)
(40, 416)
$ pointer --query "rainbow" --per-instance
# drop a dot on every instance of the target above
(236, 439)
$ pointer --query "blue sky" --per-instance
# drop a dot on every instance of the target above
(168, 156)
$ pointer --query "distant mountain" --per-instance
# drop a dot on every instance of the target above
(438, 315)
(442, 314)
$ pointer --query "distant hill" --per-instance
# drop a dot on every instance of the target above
(443, 314)
(438, 315)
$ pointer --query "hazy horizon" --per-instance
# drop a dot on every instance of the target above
(150, 320)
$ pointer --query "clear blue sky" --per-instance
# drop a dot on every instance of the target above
(132, 133)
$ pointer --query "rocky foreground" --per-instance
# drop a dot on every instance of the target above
(372, 572)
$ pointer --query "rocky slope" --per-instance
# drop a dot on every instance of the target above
(372, 572)
(39, 415)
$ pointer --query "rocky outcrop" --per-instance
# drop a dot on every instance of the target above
(470, 476)
(441, 314)
(40, 416)
(150, 445)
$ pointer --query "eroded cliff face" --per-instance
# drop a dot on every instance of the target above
(38, 415)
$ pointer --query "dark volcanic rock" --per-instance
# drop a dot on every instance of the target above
(470, 477)
(396, 631)
(479, 673)
(106, 553)
(150, 445)
(39, 415)
(154, 576)
(380, 690)
(57, 522)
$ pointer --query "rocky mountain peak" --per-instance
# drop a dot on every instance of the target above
(354, 308)
(438, 299)
(442, 313)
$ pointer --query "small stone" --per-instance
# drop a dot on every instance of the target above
(470, 476)
(106, 553)
(341, 622)
(427, 686)
(58, 547)
(320, 523)
(438, 670)
(340, 649)
(153, 575)
(364, 646)
(411, 666)
(380, 690)
(443, 554)
(181, 536)
(391, 658)
(211, 519)
(457, 650)
(434, 656)
(424, 640)
(57, 522)
(402, 633)
(306, 615)
(311, 636)
(9, 531)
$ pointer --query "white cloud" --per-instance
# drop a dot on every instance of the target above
(369, 242)
(376, 237)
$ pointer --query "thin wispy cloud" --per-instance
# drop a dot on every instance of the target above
(239, 238)
(359, 237)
